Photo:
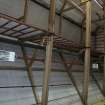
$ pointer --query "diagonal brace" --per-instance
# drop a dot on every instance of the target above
(70, 74)
(29, 71)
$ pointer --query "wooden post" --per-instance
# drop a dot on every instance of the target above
(29, 71)
(104, 55)
(61, 17)
(25, 10)
(82, 31)
(97, 83)
(29, 64)
(60, 24)
(48, 57)
(24, 16)
(87, 52)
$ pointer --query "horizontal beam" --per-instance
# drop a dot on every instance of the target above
(31, 45)
(16, 42)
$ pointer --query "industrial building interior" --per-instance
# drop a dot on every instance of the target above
(52, 52)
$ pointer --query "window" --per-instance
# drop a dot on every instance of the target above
(95, 66)
(7, 55)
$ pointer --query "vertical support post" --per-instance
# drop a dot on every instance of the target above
(48, 57)
(82, 31)
(60, 24)
(104, 55)
(87, 52)
(61, 17)
(29, 71)
(29, 64)
(25, 10)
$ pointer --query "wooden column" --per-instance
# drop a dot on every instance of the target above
(27, 63)
(48, 57)
(82, 31)
(24, 16)
(61, 17)
(60, 24)
(25, 10)
(104, 55)
(87, 52)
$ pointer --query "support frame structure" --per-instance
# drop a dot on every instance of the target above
(51, 41)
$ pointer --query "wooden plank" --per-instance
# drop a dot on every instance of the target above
(9, 21)
(9, 29)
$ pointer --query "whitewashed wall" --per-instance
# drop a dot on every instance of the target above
(65, 94)
(59, 95)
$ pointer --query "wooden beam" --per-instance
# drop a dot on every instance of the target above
(87, 52)
(29, 71)
(47, 71)
(68, 70)
(25, 10)
(61, 16)
(104, 55)
(48, 57)
(77, 7)
(63, 6)
(82, 31)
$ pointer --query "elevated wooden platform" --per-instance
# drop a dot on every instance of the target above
(13, 28)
